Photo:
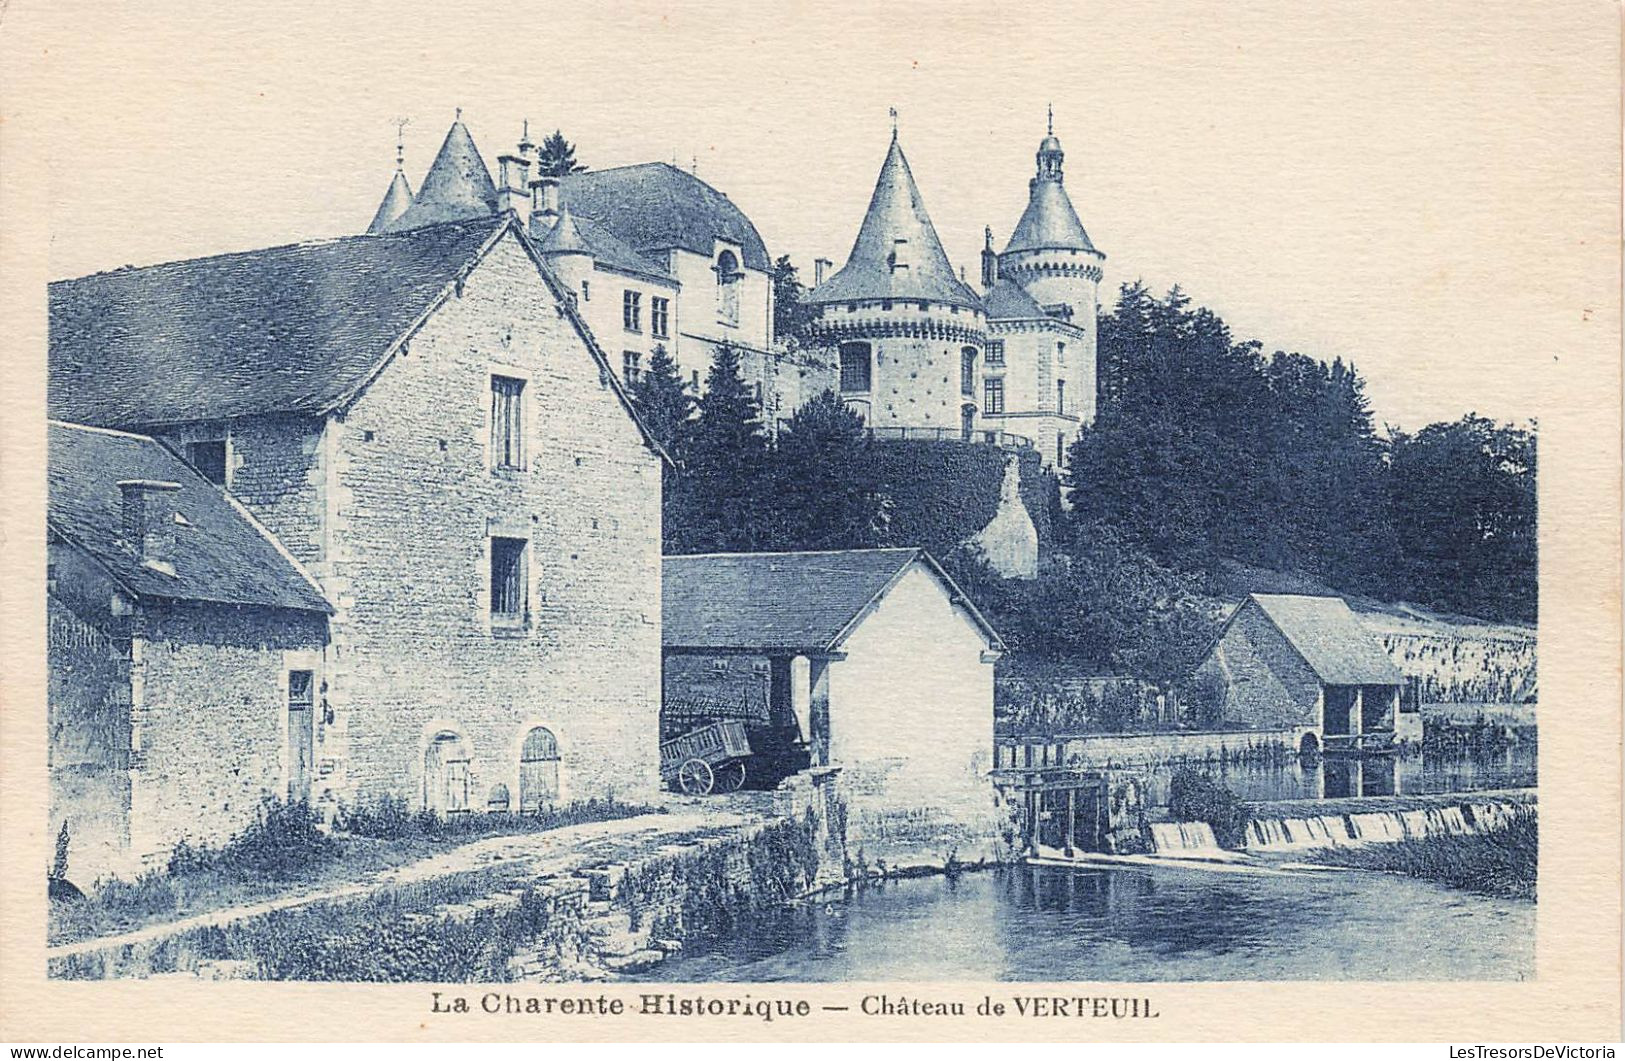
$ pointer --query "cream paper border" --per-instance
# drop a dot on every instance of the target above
(1576, 395)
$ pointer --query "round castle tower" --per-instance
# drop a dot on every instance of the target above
(1049, 253)
(909, 332)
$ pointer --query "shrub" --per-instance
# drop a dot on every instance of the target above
(389, 818)
(1193, 796)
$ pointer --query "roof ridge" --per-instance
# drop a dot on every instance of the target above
(798, 552)
(321, 241)
(75, 426)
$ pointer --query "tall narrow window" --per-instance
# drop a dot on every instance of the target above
(301, 733)
(855, 368)
(967, 372)
(1060, 397)
(209, 457)
(632, 311)
(1060, 450)
(728, 277)
(993, 396)
(660, 318)
(1060, 352)
(508, 580)
(507, 422)
(586, 291)
(631, 366)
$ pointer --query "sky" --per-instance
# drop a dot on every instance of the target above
(1398, 186)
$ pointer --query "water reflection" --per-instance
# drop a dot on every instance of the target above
(1046, 923)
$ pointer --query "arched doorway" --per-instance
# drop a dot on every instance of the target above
(446, 774)
(1309, 746)
(538, 770)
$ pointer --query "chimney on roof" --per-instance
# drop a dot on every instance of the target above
(148, 520)
(990, 259)
(544, 200)
(821, 268)
(513, 191)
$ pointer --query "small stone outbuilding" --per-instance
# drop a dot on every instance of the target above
(1285, 661)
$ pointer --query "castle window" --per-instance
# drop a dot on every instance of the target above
(728, 276)
(993, 396)
(854, 368)
(1060, 397)
(1060, 449)
(630, 367)
(659, 317)
(1060, 352)
(885, 304)
(967, 371)
(507, 422)
(632, 311)
(586, 291)
(508, 580)
(995, 352)
(209, 458)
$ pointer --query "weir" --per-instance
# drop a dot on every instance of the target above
(1285, 832)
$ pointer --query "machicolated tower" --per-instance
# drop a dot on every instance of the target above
(910, 333)
(1041, 297)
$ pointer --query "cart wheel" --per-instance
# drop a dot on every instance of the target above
(731, 778)
(694, 777)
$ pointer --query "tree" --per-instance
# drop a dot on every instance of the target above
(557, 156)
(790, 312)
(1463, 499)
(822, 488)
(714, 506)
(664, 402)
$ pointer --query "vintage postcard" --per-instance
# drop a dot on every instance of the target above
(919, 521)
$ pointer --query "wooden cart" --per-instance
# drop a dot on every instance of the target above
(709, 758)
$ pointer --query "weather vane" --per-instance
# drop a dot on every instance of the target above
(893, 111)
(1052, 119)
(400, 141)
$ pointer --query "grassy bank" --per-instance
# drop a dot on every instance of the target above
(1500, 862)
(285, 852)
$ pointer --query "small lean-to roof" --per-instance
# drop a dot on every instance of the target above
(295, 328)
(1007, 300)
(896, 212)
(785, 602)
(656, 206)
(1325, 632)
(222, 554)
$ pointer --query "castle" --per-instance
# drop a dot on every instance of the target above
(656, 256)
(924, 355)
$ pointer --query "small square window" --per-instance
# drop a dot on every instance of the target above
(631, 367)
(209, 458)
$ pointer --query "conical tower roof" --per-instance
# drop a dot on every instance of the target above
(395, 203)
(565, 236)
(896, 221)
(457, 186)
(1049, 222)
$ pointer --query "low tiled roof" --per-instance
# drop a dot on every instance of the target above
(222, 555)
(1007, 300)
(656, 206)
(286, 329)
(782, 602)
(1325, 632)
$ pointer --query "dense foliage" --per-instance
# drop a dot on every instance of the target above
(1194, 796)
(1502, 861)
(556, 157)
(1207, 458)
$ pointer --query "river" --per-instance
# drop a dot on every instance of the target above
(1131, 924)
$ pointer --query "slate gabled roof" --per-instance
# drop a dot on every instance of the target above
(798, 602)
(222, 555)
(1008, 300)
(656, 206)
(286, 329)
(1325, 632)
(896, 211)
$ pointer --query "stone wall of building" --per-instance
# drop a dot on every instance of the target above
(209, 717)
(415, 502)
(1265, 682)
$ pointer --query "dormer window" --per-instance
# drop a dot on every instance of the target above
(899, 254)
(728, 277)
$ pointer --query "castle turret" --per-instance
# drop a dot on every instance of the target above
(397, 197)
(1049, 253)
(566, 251)
(457, 186)
(909, 330)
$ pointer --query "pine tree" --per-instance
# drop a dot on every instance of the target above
(823, 491)
(557, 156)
(665, 403)
(715, 504)
(790, 312)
